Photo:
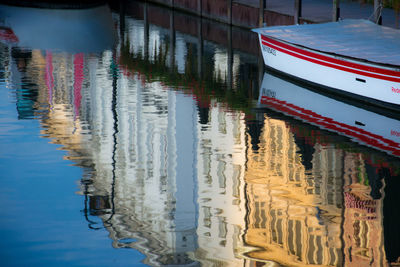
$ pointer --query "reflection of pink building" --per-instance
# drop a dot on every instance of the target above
(78, 78)
(362, 225)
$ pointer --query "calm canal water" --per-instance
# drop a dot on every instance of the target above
(134, 135)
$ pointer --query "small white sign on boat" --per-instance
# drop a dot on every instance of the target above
(354, 56)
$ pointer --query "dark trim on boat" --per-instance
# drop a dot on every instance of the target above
(377, 106)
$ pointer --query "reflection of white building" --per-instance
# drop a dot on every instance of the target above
(221, 168)
(144, 149)
(159, 166)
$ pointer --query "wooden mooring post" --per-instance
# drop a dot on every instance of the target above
(261, 13)
(229, 14)
(378, 11)
(199, 7)
(297, 11)
(336, 10)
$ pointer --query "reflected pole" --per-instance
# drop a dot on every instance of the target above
(229, 11)
(230, 59)
(122, 12)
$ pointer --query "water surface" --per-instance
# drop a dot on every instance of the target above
(161, 140)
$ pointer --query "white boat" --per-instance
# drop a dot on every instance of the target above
(356, 57)
(366, 127)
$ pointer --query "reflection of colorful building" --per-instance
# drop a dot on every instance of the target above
(190, 184)
(321, 216)
(362, 226)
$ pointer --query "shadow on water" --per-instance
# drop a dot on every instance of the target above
(193, 155)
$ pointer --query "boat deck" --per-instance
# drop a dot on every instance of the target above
(360, 39)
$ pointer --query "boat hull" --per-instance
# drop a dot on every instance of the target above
(364, 79)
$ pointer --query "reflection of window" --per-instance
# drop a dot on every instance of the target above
(294, 237)
(260, 220)
(207, 217)
(222, 227)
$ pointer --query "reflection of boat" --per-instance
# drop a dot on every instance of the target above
(363, 126)
(357, 57)
(67, 30)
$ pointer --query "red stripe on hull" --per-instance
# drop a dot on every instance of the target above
(328, 123)
(330, 62)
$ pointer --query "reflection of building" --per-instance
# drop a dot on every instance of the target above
(190, 185)
(362, 226)
(299, 216)
(221, 167)
(294, 216)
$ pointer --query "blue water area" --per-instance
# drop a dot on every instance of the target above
(42, 221)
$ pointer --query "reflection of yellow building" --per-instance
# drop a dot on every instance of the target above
(294, 217)
(323, 216)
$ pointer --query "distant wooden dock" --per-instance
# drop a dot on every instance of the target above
(256, 13)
